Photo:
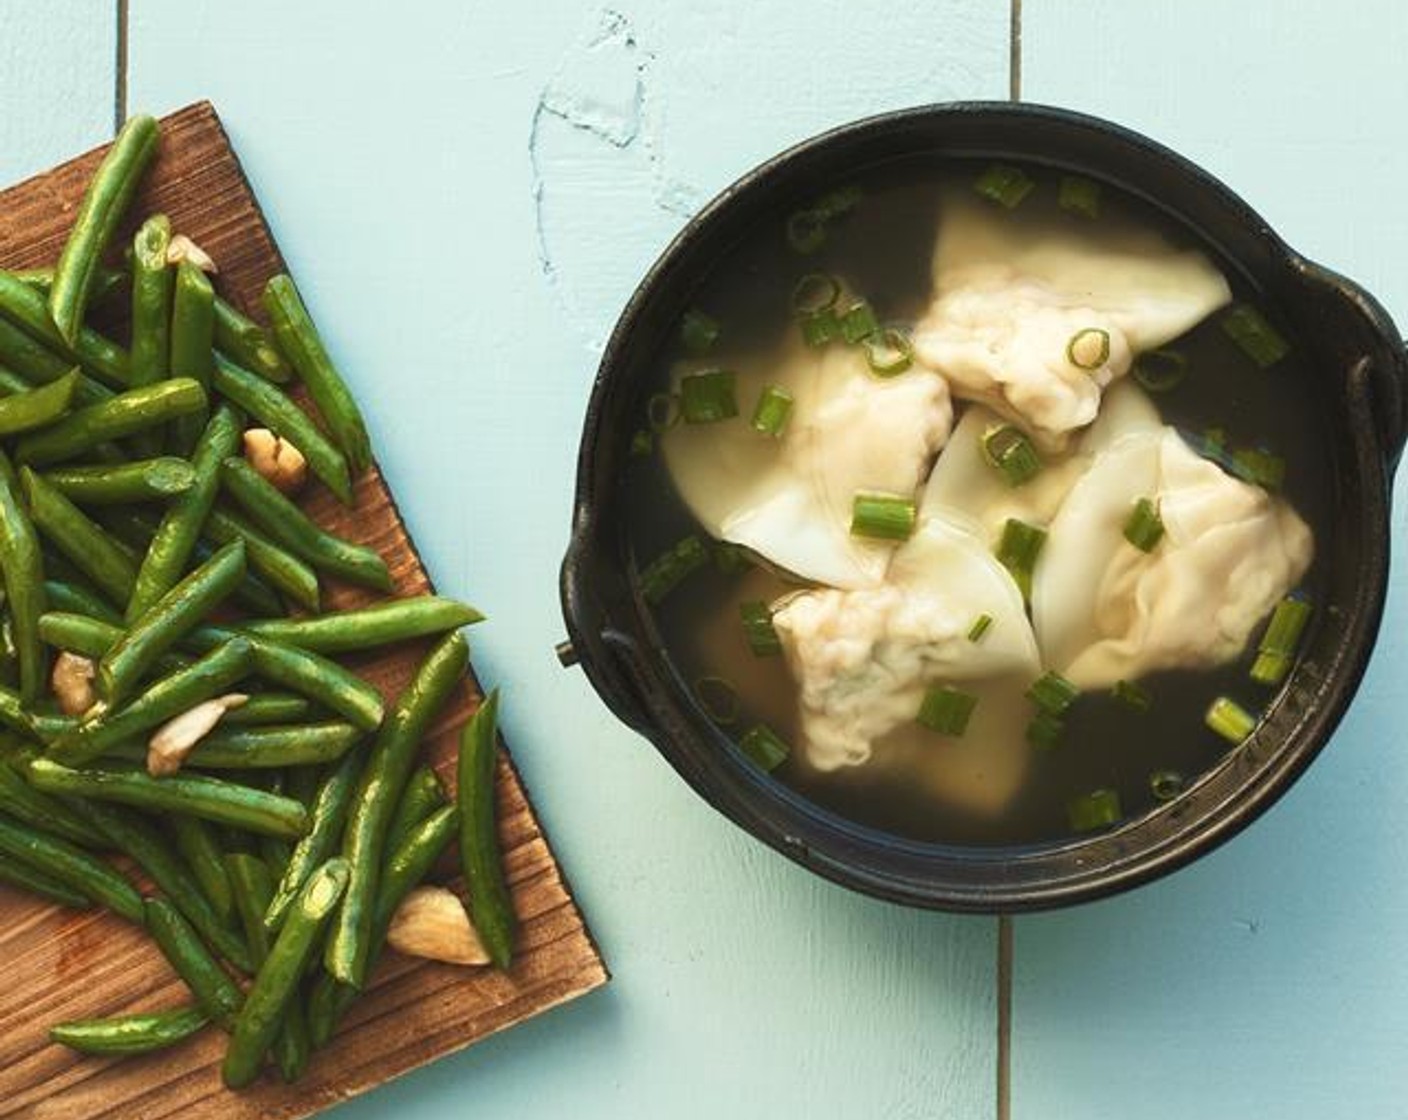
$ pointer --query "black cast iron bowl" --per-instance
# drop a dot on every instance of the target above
(1352, 345)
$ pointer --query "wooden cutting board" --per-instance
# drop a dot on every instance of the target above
(63, 965)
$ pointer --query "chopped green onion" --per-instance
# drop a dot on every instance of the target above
(668, 570)
(1277, 649)
(815, 292)
(1132, 695)
(764, 747)
(1010, 451)
(947, 711)
(1079, 195)
(717, 698)
(887, 517)
(821, 328)
(1230, 720)
(1053, 693)
(1095, 810)
(663, 411)
(1165, 785)
(1160, 371)
(708, 397)
(889, 351)
(698, 332)
(838, 202)
(773, 410)
(642, 443)
(1004, 184)
(758, 628)
(1259, 467)
(981, 625)
(1144, 528)
(806, 230)
(858, 321)
(1088, 349)
(730, 558)
(1214, 443)
(1258, 339)
(1044, 731)
(1017, 551)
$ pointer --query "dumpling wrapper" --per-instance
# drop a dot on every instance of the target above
(1104, 611)
(789, 499)
(863, 659)
(1012, 288)
(966, 488)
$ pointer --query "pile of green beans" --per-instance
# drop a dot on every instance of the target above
(170, 628)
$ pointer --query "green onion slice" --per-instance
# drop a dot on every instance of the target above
(815, 292)
(758, 628)
(1095, 810)
(1004, 184)
(1010, 451)
(1230, 720)
(668, 570)
(981, 625)
(765, 747)
(1088, 349)
(1052, 693)
(1132, 695)
(889, 351)
(1257, 338)
(947, 711)
(698, 332)
(718, 698)
(730, 558)
(663, 411)
(1017, 551)
(1044, 731)
(806, 231)
(821, 328)
(1144, 528)
(886, 517)
(642, 443)
(858, 322)
(773, 410)
(708, 397)
(1079, 195)
(838, 202)
(1277, 649)
(1165, 785)
(1260, 467)
(1160, 371)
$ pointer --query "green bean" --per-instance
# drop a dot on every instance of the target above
(22, 566)
(111, 566)
(196, 841)
(151, 851)
(280, 415)
(423, 795)
(26, 878)
(211, 799)
(88, 637)
(130, 1034)
(296, 531)
(179, 611)
(263, 708)
(145, 480)
(261, 748)
(108, 194)
(490, 904)
(71, 866)
(38, 810)
(100, 356)
(394, 620)
(164, 700)
(378, 792)
(12, 712)
(12, 384)
(106, 281)
(23, 412)
(73, 598)
(192, 345)
(248, 344)
(284, 571)
(150, 354)
(407, 868)
(30, 359)
(176, 536)
(218, 996)
(277, 982)
(328, 816)
(126, 414)
(300, 342)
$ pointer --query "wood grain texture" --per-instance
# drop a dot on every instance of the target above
(65, 966)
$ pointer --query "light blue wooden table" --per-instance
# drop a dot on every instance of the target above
(467, 193)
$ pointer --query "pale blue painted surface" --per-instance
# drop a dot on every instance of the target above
(1269, 979)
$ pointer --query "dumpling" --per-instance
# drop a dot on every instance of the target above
(1105, 611)
(966, 488)
(789, 499)
(863, 659)
(1012, 289)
